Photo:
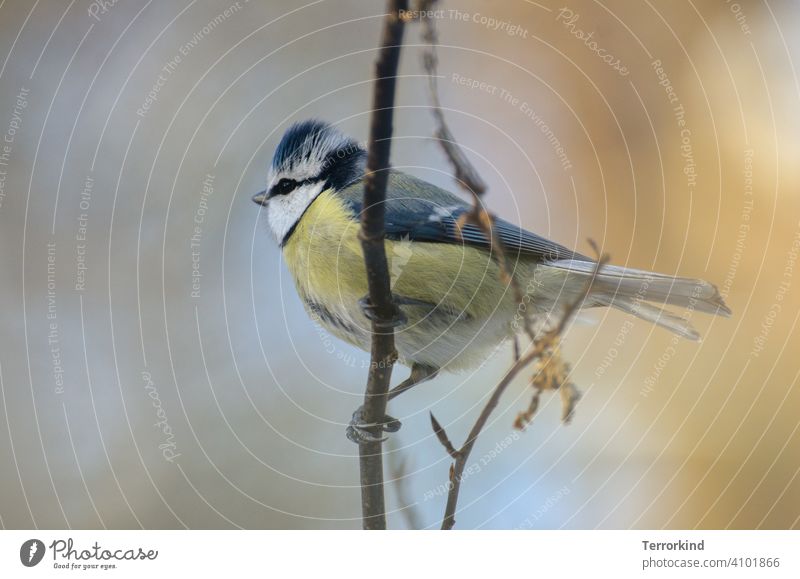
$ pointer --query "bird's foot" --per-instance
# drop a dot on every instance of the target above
(399, 318)
(360, 430)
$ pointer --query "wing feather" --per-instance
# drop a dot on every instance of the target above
(420, 211)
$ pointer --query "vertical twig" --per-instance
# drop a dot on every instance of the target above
(464, 172)
(383, 354)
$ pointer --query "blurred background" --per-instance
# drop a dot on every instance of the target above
(157, 369)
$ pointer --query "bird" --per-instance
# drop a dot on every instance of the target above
(455, 306)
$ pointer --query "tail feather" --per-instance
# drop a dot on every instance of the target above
(628, 289)
(654, 314)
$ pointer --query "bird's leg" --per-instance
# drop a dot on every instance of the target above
(399, 318)
(358, 430)
(419, 374)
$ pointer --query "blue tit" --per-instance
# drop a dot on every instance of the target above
(457, 308)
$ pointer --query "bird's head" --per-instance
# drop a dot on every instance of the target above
(311, 157)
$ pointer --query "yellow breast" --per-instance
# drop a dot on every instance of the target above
(324, 256)
(324, 253)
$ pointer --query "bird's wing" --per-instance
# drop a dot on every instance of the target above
(420, 211)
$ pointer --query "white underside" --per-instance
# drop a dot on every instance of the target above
(453, 344)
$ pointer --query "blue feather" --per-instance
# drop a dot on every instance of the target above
(420, 211)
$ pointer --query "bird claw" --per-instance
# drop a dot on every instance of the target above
(397, 320)
(359, 430)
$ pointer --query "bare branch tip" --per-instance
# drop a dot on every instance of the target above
(442, 436)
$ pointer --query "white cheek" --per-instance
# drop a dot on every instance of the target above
(285, 210)
(277, 217)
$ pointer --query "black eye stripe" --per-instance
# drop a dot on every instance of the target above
(286, 186)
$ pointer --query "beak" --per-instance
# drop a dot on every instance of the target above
(260, 198)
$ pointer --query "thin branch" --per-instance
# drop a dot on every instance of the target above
(542, 348)
(383, 353)
(465, 173)
(537, 350)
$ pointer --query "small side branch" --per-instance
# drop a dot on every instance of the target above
(552, 371)
(540, 349)
(383, 354)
